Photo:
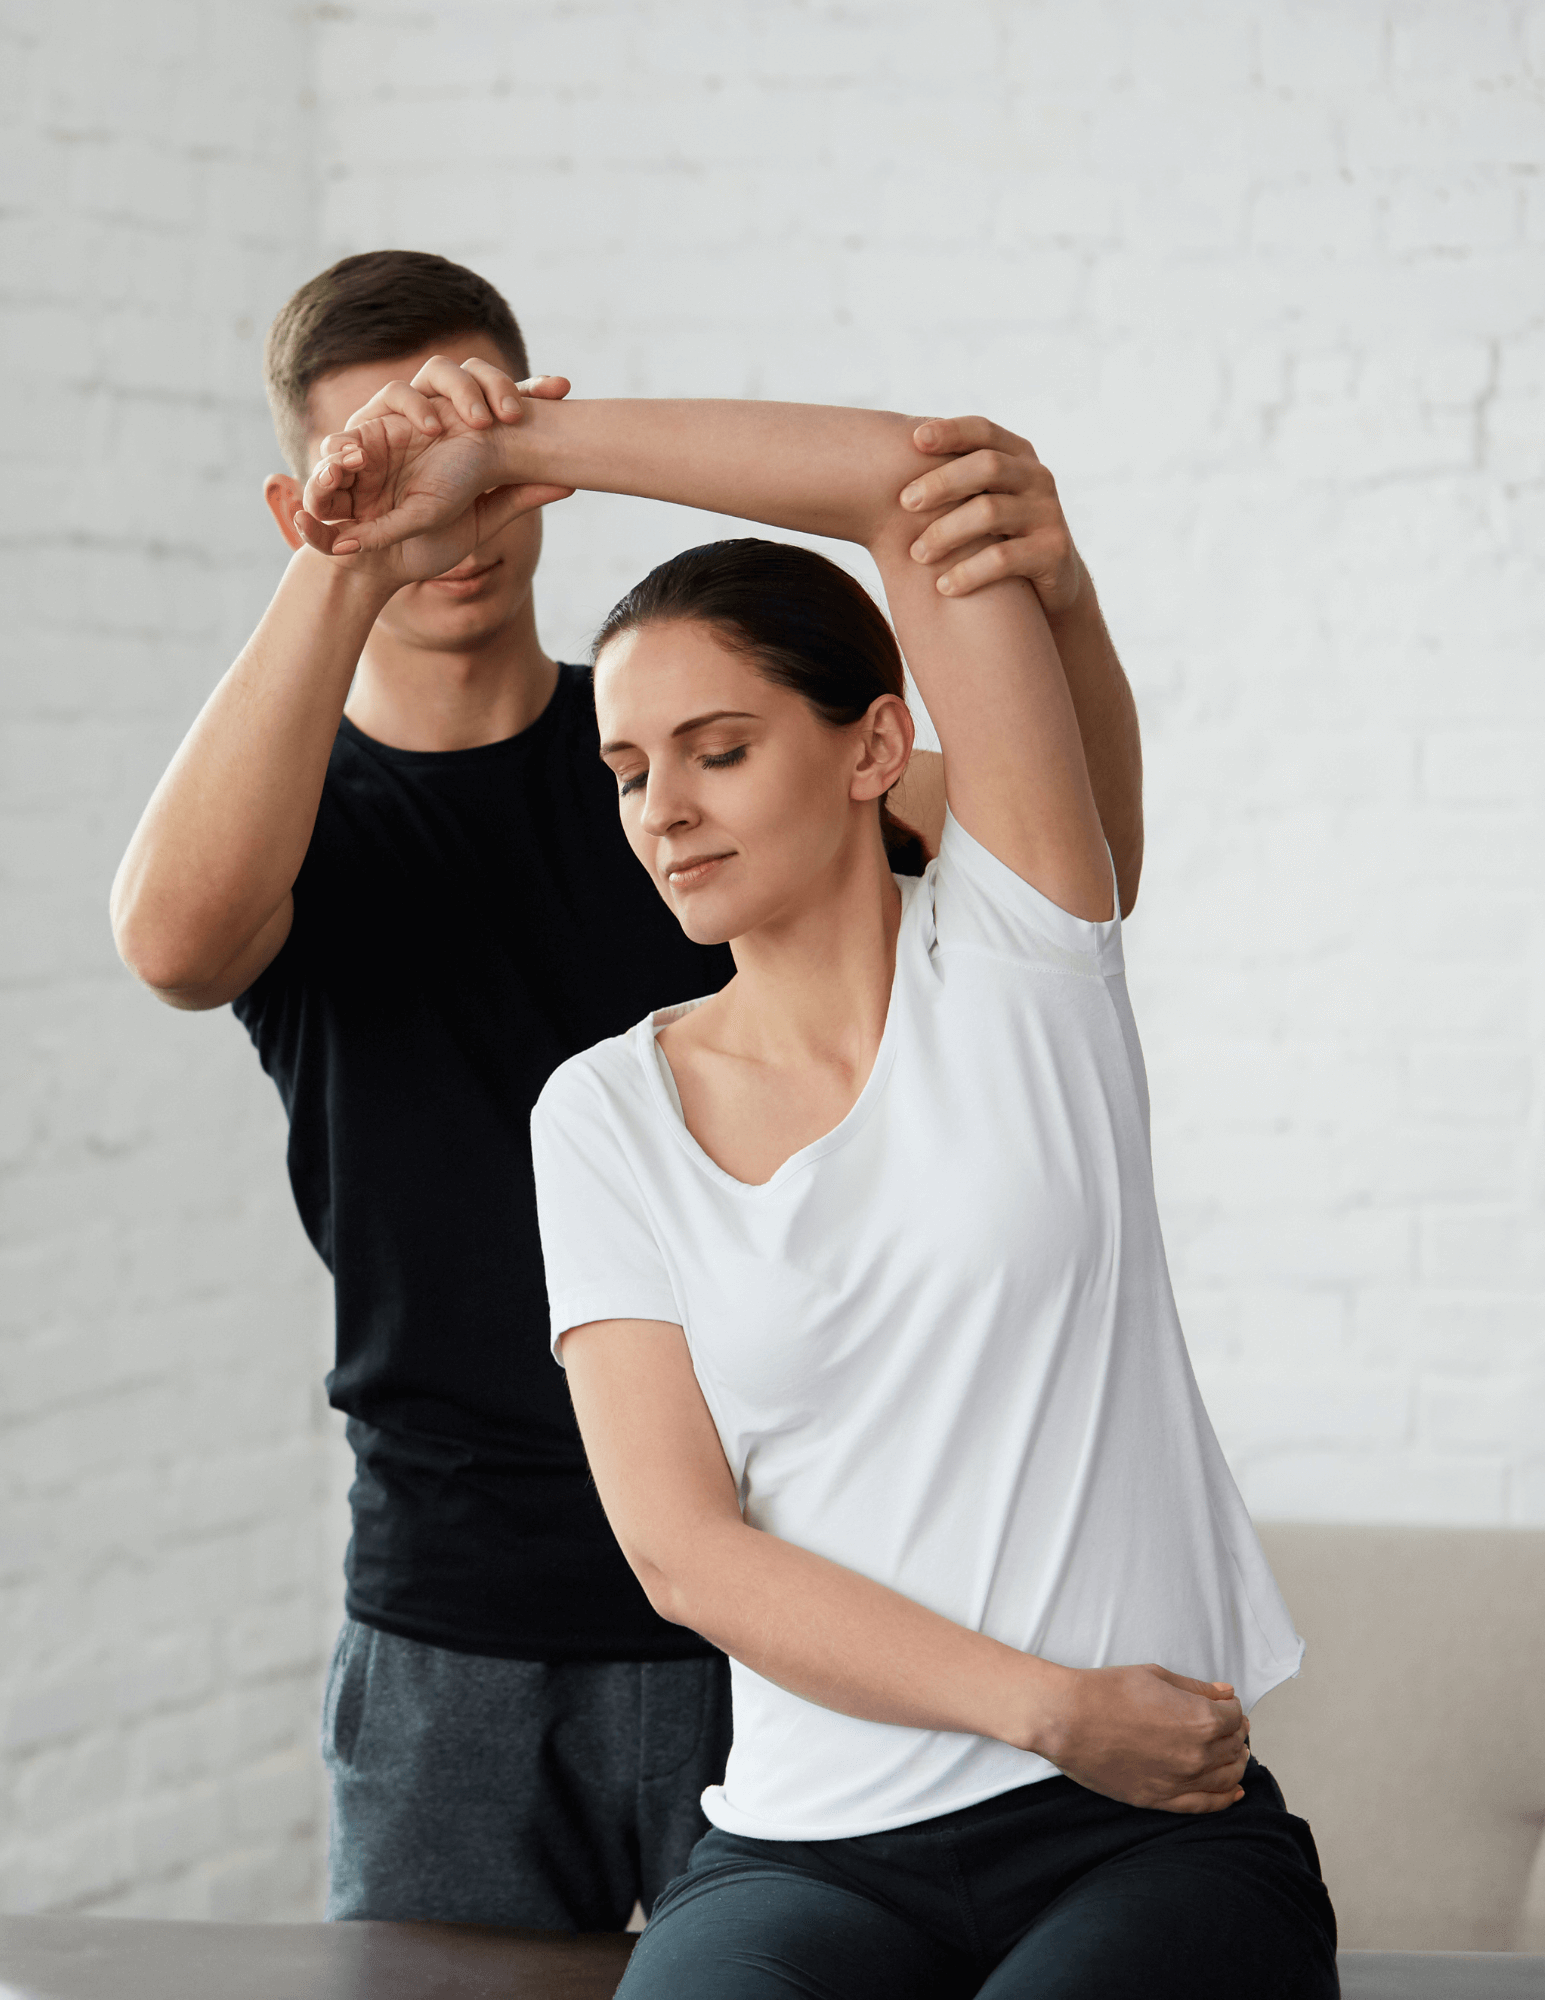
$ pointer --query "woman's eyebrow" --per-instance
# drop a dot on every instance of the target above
(686, 728)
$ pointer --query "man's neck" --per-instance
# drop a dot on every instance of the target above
(414, 698)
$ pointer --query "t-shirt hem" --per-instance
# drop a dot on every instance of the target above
(748, 1827)
(580, 1308)
(1283, 1668)
(676, 1644)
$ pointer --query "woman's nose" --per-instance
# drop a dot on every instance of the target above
(666, 806)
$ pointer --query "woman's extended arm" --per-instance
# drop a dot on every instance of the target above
(986, 664)
(986, 511)
(800, 466)
(836, 1638)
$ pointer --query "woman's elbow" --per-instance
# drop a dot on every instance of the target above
(665, 1588)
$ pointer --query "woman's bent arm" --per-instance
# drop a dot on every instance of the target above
(839, 1639)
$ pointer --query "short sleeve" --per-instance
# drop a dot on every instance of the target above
(601, 1254)
(980, 901)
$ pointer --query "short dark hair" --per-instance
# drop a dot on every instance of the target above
(802, 622)
(375, 307)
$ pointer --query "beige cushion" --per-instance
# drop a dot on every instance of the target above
(1414, 1739)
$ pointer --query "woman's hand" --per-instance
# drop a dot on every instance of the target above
(414, 478)
(1147, 1737)
(994, 486)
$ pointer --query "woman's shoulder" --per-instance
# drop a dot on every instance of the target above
(607, 1077)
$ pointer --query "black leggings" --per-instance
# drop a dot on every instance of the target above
(1050, 1891)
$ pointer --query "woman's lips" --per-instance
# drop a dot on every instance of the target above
(688, 874)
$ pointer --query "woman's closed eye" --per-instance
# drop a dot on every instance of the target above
(716, 761)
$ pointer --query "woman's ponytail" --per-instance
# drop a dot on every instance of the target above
(904, 845)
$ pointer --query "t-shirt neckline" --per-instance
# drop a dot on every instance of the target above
(666, 1099)
(502, 746)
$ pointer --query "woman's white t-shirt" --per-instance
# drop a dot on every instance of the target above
(939, 1345)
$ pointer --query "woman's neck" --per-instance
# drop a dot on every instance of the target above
(815, 985)
(781, 1055)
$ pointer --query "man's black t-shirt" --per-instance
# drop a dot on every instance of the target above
(464, 921)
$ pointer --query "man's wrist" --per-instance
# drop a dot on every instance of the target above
(345, 584)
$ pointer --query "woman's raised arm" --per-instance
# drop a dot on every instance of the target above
(800, 466)
(988, 670)
(986, 663)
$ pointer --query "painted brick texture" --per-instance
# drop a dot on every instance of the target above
(162, 1447)
(1257, 277)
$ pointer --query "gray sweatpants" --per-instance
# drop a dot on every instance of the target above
(483, 1791)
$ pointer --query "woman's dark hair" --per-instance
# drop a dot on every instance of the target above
(802, 622)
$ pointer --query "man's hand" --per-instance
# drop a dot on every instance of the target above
(480, 394)
(1148, 1737)
(412, 480)
(1000, 489)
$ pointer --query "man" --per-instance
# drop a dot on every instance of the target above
(390, 772)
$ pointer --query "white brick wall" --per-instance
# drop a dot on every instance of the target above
(1260, 280)
(162, 1596)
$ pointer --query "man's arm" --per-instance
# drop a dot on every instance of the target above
(201, 901)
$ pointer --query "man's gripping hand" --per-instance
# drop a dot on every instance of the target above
(415, 476)
(480, 393)
(995, 487)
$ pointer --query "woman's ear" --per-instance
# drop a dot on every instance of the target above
(885, 745)
(283, 496)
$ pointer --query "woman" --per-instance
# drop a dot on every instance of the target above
(856, 1271)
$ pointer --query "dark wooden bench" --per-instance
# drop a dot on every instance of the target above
(131, 1958)
(110, 1958)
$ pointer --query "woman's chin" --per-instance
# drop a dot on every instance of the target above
(704, 926)
(707, 915)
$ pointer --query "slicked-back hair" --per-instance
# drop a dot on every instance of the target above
(379, 306)
(802, 622)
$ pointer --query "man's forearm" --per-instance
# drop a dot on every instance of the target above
(1107, 723)
(223, 837)
(797, 466)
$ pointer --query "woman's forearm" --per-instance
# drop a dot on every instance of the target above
(838, 1639)
(798, 466)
